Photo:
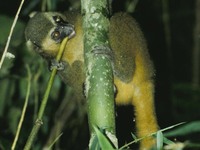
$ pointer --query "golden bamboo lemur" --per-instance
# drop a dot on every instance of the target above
(133, 69)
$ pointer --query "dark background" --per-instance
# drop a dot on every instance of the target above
(168, 26)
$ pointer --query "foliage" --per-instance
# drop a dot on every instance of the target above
(101, 141)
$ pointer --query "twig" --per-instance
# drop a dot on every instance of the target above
(11, 32)
(39, 122)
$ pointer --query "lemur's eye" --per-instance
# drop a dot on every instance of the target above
(55, 35)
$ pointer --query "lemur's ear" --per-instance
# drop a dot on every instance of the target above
(32, 14)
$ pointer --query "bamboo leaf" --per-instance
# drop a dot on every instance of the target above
(103, 140)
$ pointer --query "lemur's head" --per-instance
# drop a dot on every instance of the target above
(46, 30)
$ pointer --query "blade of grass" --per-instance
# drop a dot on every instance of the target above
(162, 130)
(24, 108)
(55, 140)
(159, 140)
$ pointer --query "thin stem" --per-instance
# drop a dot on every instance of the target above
(39, 122)
(11, 32)
(24, 109)
(139, 139)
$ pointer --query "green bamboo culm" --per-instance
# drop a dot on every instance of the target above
(99, 73)
(39, 122)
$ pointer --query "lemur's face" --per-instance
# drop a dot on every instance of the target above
(45, 32)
